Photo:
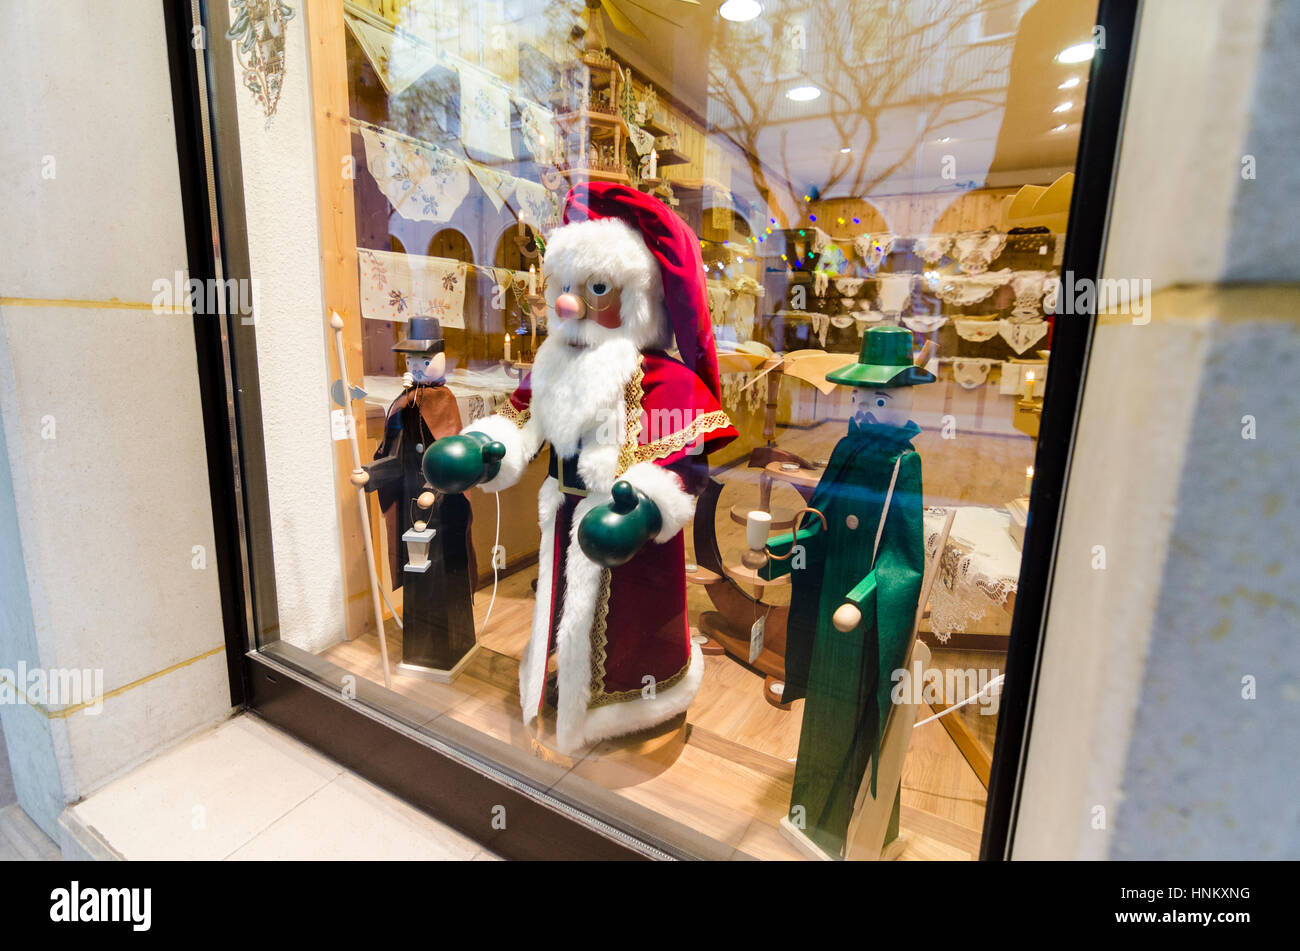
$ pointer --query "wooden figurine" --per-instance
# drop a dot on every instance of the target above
(856, 577)
(431, 555)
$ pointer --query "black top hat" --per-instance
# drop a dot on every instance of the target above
(423, 336)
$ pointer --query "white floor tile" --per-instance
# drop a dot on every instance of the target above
(351, 819)
(209, 796)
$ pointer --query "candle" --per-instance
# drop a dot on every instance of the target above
(507, 348)
(757, 525)
(1029, 385)
(532, 279)
(1029, 479)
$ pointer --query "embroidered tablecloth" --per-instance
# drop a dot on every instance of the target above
(979, 568)
(396, 286)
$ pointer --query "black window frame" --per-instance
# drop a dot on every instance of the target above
(378, 737)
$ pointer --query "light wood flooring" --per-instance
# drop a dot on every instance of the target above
(731, 779)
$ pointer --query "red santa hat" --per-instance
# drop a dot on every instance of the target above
(677, 251)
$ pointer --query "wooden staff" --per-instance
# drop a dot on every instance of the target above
(359, 478)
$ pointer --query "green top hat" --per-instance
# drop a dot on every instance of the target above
(886, 360)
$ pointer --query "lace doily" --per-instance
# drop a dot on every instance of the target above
(975, 250)
(719, 300)
(970, 372)
(1028, 286)
(925, 325)
(866, 318)
(1051, 291)
(734, 395)
(932, 247)
(1020, 337)
(964, 290)
(976, 330)
(874, 248)
(849, 286)
(894, 292)
(978, 570)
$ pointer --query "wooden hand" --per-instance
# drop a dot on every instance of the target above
(612, 533)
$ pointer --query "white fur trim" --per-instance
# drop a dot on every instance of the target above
(521, 445)
(532, 666)
(628, 716)
(576, 725)
(582, 578)
(676, 505)
(610, 250)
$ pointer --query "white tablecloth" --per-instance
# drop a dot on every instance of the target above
(979, 569)
(478, 393)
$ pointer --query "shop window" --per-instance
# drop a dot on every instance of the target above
(748, 335)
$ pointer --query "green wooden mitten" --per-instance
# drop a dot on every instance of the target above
(612, 533)
(457, 463)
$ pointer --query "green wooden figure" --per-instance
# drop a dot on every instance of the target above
(856, 578)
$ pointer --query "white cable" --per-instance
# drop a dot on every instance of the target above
(971, 699)
(496, 543)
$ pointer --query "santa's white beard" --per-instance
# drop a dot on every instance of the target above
(578, 391)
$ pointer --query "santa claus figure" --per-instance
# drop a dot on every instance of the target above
(627, 426)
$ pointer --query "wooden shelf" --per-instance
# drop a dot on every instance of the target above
(672, 157)
(596, 174)
(601, 118)
(803, 477)
(782, 519)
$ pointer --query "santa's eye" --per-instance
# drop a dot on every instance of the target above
(598, 288)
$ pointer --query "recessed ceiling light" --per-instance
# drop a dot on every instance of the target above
(1060, 128)
(946, 138)
(1064, 107)
(1078, 53)
(1069, 83)
(738, 11)
(803, 93)
(845, 151)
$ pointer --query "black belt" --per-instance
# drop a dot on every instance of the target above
(565, 472)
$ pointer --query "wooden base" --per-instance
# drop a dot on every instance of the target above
(768, 662)
(772, 695)
(708, 646)
(626, 760)
(435, 674)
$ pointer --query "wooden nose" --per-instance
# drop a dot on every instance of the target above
(569, 307)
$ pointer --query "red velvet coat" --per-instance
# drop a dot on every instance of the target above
(624, 657)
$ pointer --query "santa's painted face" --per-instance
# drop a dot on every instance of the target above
(891, 406)
(597, 301)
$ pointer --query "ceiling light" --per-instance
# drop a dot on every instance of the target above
(803, 93)
(946, 138)
(845, 151)
(1069, 83)
(1064, 107)
(738, 11)
(1060, 128)
(1078, 53)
